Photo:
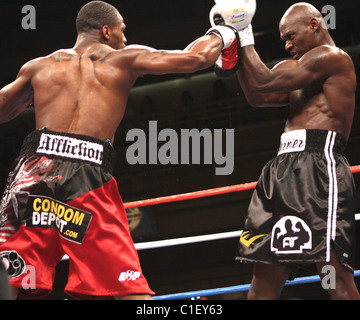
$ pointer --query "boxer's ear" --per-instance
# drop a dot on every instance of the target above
(105, 32)
(315, 24)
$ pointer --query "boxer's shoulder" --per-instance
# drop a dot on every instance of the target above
(327, 57)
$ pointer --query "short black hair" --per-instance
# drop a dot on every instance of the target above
(96, 14)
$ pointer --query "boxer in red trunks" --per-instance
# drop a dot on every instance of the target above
(61, 197)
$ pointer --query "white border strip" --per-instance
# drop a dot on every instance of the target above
(181, 241)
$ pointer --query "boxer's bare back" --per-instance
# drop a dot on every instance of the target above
(84, 90)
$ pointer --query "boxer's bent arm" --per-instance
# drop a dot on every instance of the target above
(261, 100)
(247, 83)
(16, 96)
(317, 64)
(200, 54)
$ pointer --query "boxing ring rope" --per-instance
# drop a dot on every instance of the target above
(202, 194)
(195, 239)
(210, 237)
(191, 195)
(235, 289)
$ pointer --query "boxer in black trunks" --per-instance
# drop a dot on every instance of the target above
(319, 85)
(79, 96)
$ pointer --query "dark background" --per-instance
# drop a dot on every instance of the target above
(173, 24)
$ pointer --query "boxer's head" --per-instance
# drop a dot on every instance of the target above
(103, 20)
(302, 29)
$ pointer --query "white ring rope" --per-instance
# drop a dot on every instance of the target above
(188, 240)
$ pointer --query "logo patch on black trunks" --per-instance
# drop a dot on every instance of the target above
(45, 212)
(290, 235)
(246, 239)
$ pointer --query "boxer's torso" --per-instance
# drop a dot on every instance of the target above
(327, 104)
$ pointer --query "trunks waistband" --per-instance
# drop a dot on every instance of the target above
(68, 146)
(312, 140)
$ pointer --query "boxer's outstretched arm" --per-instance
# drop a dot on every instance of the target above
(16, 96)
(200, 54)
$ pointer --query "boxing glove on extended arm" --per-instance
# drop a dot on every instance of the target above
(228, 61)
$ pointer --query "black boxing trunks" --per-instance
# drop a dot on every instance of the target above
(61, 199)
(303, 204)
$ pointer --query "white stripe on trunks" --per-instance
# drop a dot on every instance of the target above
(333, 192)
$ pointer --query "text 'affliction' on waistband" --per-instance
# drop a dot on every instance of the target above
(69, 146)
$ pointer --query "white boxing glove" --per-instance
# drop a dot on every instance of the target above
(235, 13)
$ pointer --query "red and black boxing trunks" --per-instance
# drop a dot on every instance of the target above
(303, 204)
(61, 199)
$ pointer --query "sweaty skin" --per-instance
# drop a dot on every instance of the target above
(84, 90)
(319, 84)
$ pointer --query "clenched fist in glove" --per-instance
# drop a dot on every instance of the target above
(237, 14)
